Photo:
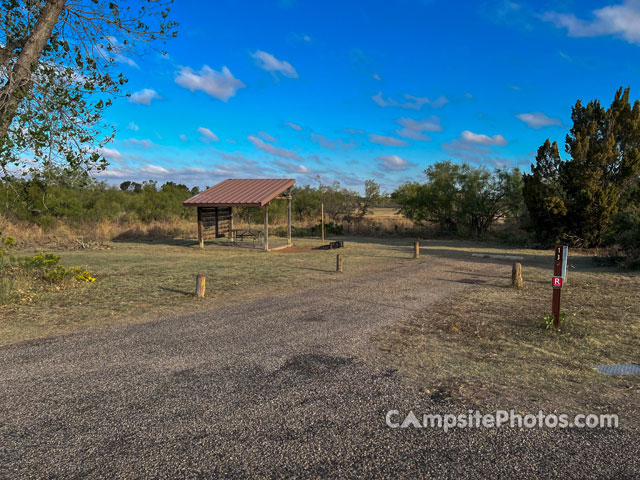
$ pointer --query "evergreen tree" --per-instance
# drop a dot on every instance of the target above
(575, 200)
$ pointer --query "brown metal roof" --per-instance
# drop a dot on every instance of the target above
(241, 193)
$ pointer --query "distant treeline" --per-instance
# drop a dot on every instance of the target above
(590, 199)
(53, 194)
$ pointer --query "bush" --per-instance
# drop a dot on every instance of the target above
(624, 236)
(7, 290)
(47, 267)
(314, 231)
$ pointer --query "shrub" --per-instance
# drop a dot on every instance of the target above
(59, 274)
(624, 234)
(47, 267)
(7, 290)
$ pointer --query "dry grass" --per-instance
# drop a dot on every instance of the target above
(144, 280)
(488, 347)
(64, 234)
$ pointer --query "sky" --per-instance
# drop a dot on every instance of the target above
(353, 90)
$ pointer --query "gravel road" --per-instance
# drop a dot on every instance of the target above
(274, 387)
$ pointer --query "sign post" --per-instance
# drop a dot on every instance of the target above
(557, 281)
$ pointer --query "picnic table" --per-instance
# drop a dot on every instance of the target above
(242, 233)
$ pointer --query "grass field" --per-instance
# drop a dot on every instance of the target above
(484, 347)
(139, 281)
(489, 348)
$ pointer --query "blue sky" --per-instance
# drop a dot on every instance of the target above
(352, 90)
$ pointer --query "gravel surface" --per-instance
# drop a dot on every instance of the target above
(270, 388)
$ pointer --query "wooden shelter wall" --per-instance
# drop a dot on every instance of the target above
(216, 221)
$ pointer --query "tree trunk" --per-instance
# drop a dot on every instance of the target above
(19, 80)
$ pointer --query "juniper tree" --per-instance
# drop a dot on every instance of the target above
(576, 199)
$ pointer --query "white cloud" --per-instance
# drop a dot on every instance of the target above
(272, 149)
(393, 162)
(133, 126)
(183, 137)
(189, 175)
(146, 143)
(622, 20)
(221, 85)
(331, 143)
(323, 141)
(293, 125)
(268, 62)
(481, 139)
(265, 136)
(153, 169)
(113, 51)
(389, 141)
(538, 120)
(475, 153)
(110, 153)
(412, 102)
(114, 173)
(238, 158)
(144, 96)
(292, 167)
(207, 135)
(413, 128)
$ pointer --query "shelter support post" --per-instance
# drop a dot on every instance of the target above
(200, 229)
(266, 227)
(322, 220)
(289, 242)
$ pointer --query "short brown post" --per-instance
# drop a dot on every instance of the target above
(200, 285)
(339, 262)
(516, 275)
(416, 249)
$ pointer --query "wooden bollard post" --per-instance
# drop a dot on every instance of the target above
(339, 263)
(516, 275)
(416, 249)
(201, 281)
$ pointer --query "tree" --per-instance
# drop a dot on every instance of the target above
(544, 193)
(443, 193)
(371, 196)
(576, 199)
(461, 198)
(57, 74)
(339, 202)
(486, 197)
(411, 198)
(306, 202)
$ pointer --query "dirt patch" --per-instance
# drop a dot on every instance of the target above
(296, 249)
